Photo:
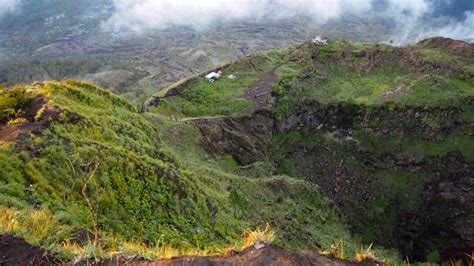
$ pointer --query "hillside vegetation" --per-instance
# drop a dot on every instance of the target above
(102, 175)
(386, 132)
(335, 146)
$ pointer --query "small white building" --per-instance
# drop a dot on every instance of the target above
(213, 76)
(318, 39)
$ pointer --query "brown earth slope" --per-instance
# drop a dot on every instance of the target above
(15, 251)
(269, 255)
(32, 123)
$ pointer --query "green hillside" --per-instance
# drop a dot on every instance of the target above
(101, 165)
(334, 146)
(386, 132)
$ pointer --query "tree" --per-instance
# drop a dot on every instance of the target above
(88, 173)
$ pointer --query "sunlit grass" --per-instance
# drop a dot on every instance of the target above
(262, 236)
(364, 254)
(41, 228)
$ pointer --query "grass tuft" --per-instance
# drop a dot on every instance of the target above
(265, 236)
(364, 254)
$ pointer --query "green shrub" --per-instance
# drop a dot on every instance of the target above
(12, 102)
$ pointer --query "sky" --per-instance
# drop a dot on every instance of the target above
(8, 6)
(416, 19)
(145, 14)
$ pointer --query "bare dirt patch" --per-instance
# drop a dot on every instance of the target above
(245, 138)
(269, 255)
(32, 123)
(260, 92)
(16, 251)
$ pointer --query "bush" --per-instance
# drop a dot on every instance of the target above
(12, 102)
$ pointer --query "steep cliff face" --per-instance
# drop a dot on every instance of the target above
(390, 143)
(246, 139)
(398, 175)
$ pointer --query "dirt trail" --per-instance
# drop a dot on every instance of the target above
(10, 133)
(260, 92)
(269, 255)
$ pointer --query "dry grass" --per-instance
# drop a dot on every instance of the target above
(364, 254)
(16, 121)
(72, 248)
(251, 237)
(471, 258)
(38, 227)
(41, 228)
(470, 261)
(157, 252)
(337, 249)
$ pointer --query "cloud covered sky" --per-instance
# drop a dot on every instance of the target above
(145, 14)
(7, 6)
(415, 19)
(410, 15)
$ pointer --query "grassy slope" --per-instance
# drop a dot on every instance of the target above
(381, 81)
(141, 190)
(347, 83)
(226, 97)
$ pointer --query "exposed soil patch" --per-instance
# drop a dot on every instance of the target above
(245, 138)
(10, 133)
(260, 92)
(269, 255)
(16, 251)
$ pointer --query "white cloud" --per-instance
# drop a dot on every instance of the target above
(460, 30)
(414, 18)
(140, 15)
(145, 14)
(7, 6)
(320, 10)
(410, 8)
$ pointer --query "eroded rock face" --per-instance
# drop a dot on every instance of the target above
(439, 218)
(153, 101)
(311, 116)
(245, 138)
(353, 175)
(444, 219)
